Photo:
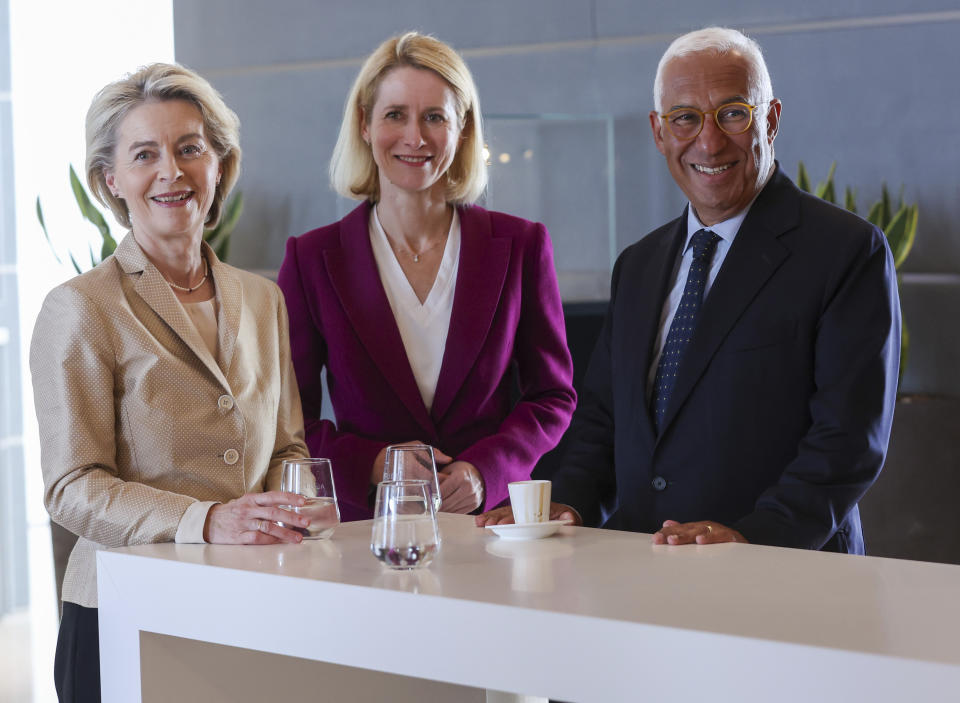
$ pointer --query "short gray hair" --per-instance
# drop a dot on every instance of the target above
(721, 40)
(159, 81)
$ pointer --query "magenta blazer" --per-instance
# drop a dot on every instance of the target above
(506, 311)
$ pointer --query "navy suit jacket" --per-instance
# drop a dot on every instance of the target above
(781, 413)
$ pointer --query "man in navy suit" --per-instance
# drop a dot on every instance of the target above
(743, 386)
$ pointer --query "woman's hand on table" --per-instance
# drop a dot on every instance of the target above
(504, 515)
(252, 519)
(376, 474)
(703, 532)
(461, 487)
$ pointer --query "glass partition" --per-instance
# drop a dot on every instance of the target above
(559, 170)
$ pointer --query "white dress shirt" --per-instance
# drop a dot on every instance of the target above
(727, 231)
(423, 326)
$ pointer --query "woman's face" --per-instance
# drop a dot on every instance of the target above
(413, 130)
(164, 169)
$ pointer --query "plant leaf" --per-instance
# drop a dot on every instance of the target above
(108, 247)
(876, 214)
(76, 266)
(826, 189)
(850, 199)
(219, 237)
(904, 352)
(88, 210)
(803, 178)
(886, 212)
(901, 233)
(43, 226)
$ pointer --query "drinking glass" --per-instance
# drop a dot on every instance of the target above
(313, 479)
(413, 462)
(405, 534)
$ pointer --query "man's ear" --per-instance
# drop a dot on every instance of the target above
(773, 120)
(656, 126)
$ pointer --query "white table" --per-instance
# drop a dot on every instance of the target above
(586, 615)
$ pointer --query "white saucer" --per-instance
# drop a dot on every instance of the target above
(530, 530)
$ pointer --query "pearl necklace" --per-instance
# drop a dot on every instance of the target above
(206, 271)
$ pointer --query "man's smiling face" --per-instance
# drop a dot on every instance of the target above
(720, 173)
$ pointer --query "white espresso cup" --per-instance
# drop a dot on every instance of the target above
(530, 501)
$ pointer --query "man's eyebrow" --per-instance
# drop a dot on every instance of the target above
(732, 99)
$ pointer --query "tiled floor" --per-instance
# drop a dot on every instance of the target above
(28, 637)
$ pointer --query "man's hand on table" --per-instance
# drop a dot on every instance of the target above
(504, 515)
(703, 532)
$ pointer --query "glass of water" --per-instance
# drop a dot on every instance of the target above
(405, 533)
(412, 462)
(313, 479)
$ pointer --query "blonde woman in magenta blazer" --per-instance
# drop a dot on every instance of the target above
(163, 383)
(410, 146)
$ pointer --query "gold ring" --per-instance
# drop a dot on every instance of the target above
(709, 527)
(259, 525)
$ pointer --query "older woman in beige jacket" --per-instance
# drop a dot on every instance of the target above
(162, 378)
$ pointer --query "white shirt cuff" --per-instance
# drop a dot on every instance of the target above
(190, 529)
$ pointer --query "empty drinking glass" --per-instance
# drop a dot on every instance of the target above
(411, 462)
(313, 479)
(405, 534)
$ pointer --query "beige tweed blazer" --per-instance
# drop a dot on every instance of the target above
(141, 429)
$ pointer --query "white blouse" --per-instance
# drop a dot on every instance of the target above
(423, 326)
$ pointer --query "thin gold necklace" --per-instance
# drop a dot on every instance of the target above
(206, 271)
(415, 255)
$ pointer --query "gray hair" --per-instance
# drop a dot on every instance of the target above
(720, 40)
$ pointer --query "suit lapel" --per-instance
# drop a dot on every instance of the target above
(753, 258)
(156, 293)
(481, 272)
(354, 276)
(230, 295)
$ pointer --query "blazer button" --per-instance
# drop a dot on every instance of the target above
(225, 402)
(231, 456)
(659, 483)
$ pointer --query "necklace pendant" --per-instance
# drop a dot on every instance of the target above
(416, 258)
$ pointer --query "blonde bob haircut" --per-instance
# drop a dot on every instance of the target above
(158, 82)
(353, 172)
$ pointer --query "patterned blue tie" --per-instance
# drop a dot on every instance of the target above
(684, 322)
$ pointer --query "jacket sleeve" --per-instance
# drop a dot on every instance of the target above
(351, 455)
(73, 364)
(545, 370)
(289, 442)
(586, 479)
(857, 354)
